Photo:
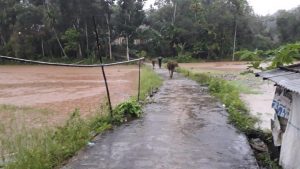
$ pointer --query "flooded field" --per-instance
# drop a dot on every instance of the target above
(258, 94)
(47, 94)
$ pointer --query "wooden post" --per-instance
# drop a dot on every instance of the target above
(102, 68)
(139, 88)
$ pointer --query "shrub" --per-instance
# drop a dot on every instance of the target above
(127, 110)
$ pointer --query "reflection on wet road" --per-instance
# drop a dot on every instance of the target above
(185, 128)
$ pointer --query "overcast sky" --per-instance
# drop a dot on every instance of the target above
(262, 7)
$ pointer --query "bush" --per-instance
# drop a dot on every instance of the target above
(127, 110)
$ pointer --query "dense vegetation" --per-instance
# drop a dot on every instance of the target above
(47, 29)
(202, 29)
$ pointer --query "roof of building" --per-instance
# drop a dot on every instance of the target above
(287, 77)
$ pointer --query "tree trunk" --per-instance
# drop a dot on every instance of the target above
(234, 41)
(87, 39)
(61, 47)
(56, 36)
(43, 49)
(3, 40)
(79, 51)
(174, 13)
(127, 48)
(109, 39)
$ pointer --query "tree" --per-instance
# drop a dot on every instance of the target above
(71, 38)
(239, 8)
(107, 4)
(130, 16)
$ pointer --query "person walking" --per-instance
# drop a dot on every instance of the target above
(159, 61)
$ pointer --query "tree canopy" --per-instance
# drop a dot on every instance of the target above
(203, 29)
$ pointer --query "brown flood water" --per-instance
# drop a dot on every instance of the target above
(259, 103)
(62, 89)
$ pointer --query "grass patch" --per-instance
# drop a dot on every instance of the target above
(149, 81)
(126, 111)
(47, 148)
(229, 94)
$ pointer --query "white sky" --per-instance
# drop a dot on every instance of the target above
(261, 7)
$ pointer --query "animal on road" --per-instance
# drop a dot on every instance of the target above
(171, 67)
(153, 63)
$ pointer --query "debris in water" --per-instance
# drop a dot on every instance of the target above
(258, 144)
(91, 144)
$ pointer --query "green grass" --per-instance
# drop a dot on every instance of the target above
(229, 94)
(47, 148)
(149, 80)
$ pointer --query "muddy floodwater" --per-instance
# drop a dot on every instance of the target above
(184, 128)
(258, 102)
(62, 89)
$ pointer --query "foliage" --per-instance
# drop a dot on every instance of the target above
(286, 54)
(29, 29)
(246, 55)
(267, 162)
(287, 24)
(47, 148)
(255, 64)
(255, 57)
(142, 54)
(71, 38)
(203, 28)
(127, 110)
(280, 56)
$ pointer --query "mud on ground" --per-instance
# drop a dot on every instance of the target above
(60, 90)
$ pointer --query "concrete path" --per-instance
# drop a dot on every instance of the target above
(185, 128)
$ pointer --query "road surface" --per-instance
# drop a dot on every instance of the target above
(184, 128)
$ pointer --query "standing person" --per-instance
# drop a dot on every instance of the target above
(159, 61)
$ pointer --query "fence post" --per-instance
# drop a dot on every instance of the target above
(139, 88)
(102, 68)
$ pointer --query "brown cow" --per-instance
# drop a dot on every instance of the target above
(171, 67)
(153, 63)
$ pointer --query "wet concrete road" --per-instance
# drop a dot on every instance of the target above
(185, 128)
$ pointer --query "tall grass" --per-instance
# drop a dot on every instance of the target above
(149, 81)
(46, 148)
